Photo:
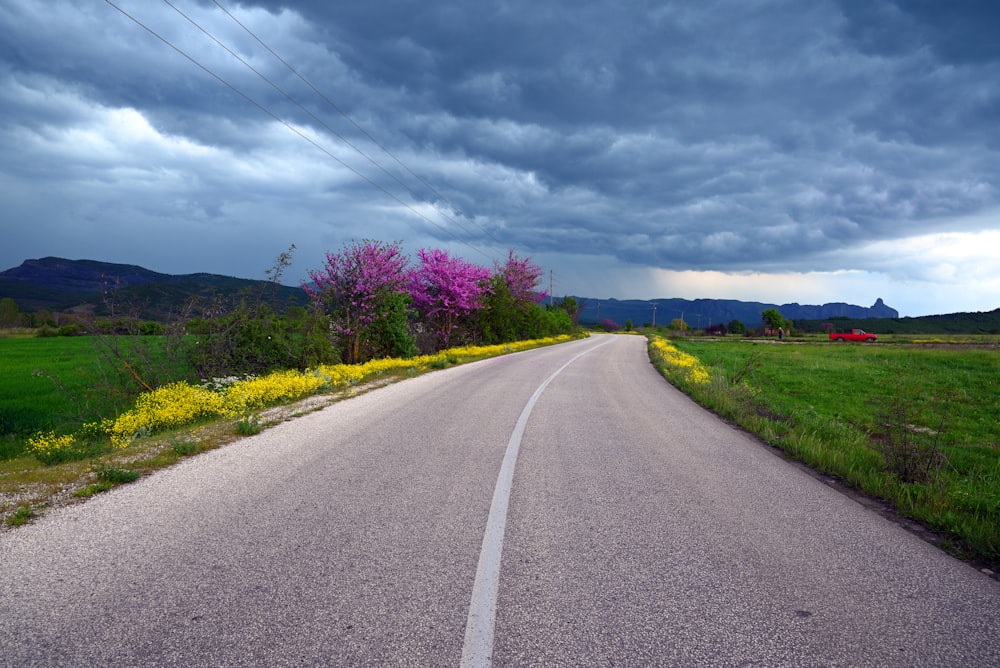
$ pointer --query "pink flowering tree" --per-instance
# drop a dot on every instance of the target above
(521, 276)
(444, 290)
(512, 310)
(361, 288)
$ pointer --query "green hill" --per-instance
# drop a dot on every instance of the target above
(57, 285)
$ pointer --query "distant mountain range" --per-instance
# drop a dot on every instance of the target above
(60, 285)
(699, 313)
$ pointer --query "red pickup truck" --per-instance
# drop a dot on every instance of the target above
(853, 335)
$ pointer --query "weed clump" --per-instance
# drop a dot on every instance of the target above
(912, 451)
(108, 477)
(248, 425)
(21, 516)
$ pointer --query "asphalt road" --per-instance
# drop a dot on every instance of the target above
(638, 530)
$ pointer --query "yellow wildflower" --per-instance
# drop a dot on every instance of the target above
(46, 444)
(172, 405)
(674, 359)
(253, 393)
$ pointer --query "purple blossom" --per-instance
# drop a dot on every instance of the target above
(445, 289)
(521, 276)
(352, 287)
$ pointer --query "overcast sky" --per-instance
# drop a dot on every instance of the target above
(776, 151)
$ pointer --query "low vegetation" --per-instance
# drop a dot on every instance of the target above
(915, 425)
(180, 419)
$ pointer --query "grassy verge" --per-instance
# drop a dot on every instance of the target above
(59, 383)
(180, 420)
(916, 426)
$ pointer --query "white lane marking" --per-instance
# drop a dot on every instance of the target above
(478, 649)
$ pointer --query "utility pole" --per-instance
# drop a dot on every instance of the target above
(654, 316)
(550, 287)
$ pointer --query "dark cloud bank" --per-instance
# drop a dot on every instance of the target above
(619, 144)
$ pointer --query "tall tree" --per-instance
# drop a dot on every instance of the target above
(512, 310)
(521, 276)
(356, 287)
(445, 289)
(773, 319)
(10, 315)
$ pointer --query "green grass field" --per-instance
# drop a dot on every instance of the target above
(62, 382)
(840, 407)
(844, 381)
(41, 384)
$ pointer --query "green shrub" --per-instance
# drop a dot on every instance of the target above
(108, 477)
(185, 448)
(74, 329)
(117, 476)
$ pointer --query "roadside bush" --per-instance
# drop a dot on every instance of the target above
(248, 336)
(541, 322)
(510, 315)
(244, 341)
(389, 332)
(74, 329)
(499, 319)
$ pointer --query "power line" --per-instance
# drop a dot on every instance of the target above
(360, 129)
(288, 125)
(298, 104)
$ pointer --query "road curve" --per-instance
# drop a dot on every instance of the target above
(639, 530)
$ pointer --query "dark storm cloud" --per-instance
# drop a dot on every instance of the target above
(759, 121)
(732, 135)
